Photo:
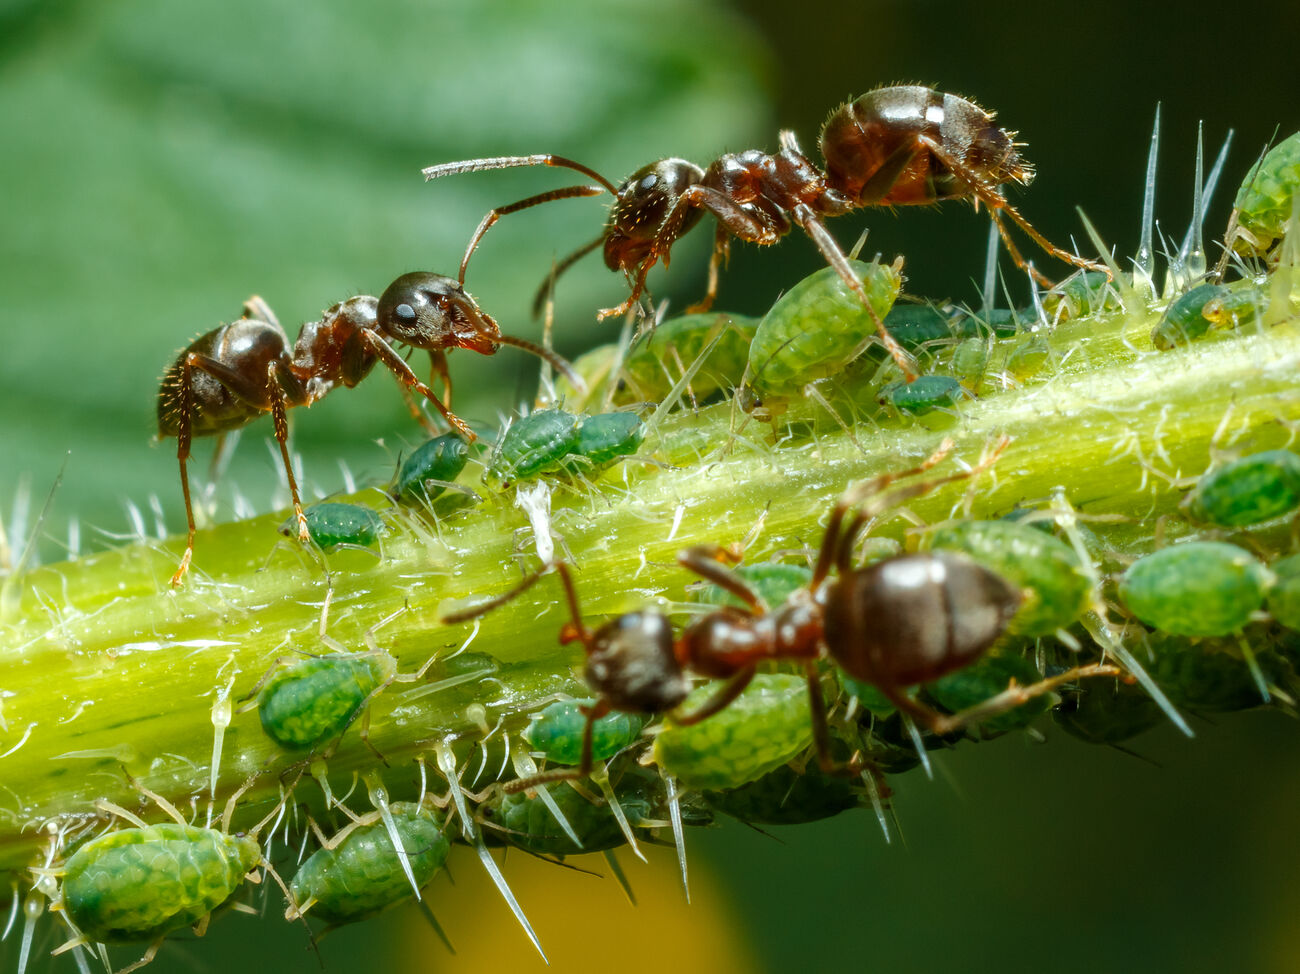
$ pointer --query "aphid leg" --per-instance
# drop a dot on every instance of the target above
(812, 225)
(143, 961)
(706, 561)
(1013, 697)
(721, 254)
(732, 689)
(281, 419)
(493, 215)
(384, 352)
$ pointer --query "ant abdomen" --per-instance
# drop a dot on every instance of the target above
(876, 153)
(914, 618)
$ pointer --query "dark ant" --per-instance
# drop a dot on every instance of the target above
(896, 146)
(898, 622)
(239, 371)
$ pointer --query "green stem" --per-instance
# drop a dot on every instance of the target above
(105, 668)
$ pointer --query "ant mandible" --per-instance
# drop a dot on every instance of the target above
(895, 146)
(239, 371)
(898, 622)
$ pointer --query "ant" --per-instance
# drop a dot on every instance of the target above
(895, 146)
(905, 620)
(235, 373)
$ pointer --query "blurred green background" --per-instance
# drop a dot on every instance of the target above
(162, 161)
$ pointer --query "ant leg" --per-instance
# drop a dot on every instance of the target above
(1016, 257)
(583, 768)
(994, 200)
(404, 375)
(1013, 697)
(279, 415)
(733, 688)
(548, 286)
(821, 729)
(812, 225)
(513, 162)
(721, 253)
(183, 435)
(439, 369)
(483, 608)
(705, 561)
(493, 215)
(256, 309)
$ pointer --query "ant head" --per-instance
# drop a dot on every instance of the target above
(630, 662)
(644, 200)
(430, 311)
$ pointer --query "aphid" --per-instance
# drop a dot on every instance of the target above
(1241, 305)
(773, 582)
(558, 729)
(914, 325)
(1284, 595)
(1106, 712)
(1201, 588)
(237, 372)
(1084, 293)
(659, 356)
(926, 394)
(529, 824)
(606, 437)
(970, 361)
(532, 445)
(1184, 320)
(897, 622)
(424, 473)
(358, 872)
(1265, 200)
(817, 328)
(766, 725)
(1247, 491)
(1054, 589)
(894, 146)
(142, 882)
(785, 796)
(1208, 675)
(334, 524)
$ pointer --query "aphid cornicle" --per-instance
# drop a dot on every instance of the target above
(894, 146)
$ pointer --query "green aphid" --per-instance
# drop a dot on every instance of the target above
(986, 678)
(1044, 567)
(1248, 491)
(141, 883)
(1284, 596)
(970, 361)
(913, 325)
(334, 524)
(926, 394)
(362, 874)
(787, 797)
(315, 700)
(658, 358)
(440, 460)
(1202, 588)
(1084, 293)
(536, 444)
(1184, 320)
(773, 582)
(1027, 359)
(606, 437)
(557, 732)
(818, 327)
(1206, 675)
(530, 825)
(1266, 198)
(1240, 306)
(766, 726)
(1108, 711)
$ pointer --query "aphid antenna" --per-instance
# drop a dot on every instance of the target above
(1096, 622)
(1144, 265)
(503, 887)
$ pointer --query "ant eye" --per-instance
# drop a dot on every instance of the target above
(404, 313)
(648, 181)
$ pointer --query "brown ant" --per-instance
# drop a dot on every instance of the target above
(894, 146)
(898, 622)
(239, 371)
